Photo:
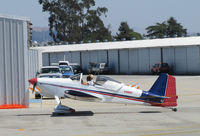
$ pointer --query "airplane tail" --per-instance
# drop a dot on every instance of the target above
(164, 89)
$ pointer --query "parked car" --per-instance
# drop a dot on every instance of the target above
(49, 69)
(63, 63)
(66, 71)
(98, 68)
(76, 68)
(50, 75)
(160, 68)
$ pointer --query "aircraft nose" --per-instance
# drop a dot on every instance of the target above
(33, 81)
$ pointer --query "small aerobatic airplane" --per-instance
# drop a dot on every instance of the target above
(106, 89)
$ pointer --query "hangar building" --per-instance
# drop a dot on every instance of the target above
(14, 59)
(131, 57)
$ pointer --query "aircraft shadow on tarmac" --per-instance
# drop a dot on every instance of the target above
(83, 113)
(127, 112)
(77, 113)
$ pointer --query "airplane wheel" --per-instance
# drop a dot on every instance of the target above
(174, 109)
(38, 96)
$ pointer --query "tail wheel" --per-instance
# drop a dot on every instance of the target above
(174, 109)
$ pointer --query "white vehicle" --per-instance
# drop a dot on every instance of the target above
(63, 63)
(49, 69)
(50, 75)
(106, 89)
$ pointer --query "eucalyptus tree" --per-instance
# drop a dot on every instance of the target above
(75, 20)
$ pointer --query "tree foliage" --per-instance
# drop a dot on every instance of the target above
(169, 28)
(75, 20)
(126, 32)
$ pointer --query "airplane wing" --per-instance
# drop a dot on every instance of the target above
(84, 95)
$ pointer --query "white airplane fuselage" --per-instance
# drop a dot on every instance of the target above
(63, 87)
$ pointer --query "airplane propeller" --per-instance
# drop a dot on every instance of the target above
(33, 81)
(34, 85)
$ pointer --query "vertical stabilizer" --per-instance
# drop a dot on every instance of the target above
(165, 86)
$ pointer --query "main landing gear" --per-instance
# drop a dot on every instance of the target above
(61, 109)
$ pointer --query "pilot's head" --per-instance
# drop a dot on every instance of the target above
(91, 76)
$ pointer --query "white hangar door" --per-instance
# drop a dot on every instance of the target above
(169, 57)
(155, 56)
(123, 61)
(144, 57)
(85, 57)
(133, 61)
(193, 60)
(75, 57)
(93, 56)
(181, 60)
(102, 56)
(113, 60)
(60, 56)
(45, 59)
(68, 56)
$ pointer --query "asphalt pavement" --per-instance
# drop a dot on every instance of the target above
(105, 119)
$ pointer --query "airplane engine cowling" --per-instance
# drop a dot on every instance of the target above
(76, 95)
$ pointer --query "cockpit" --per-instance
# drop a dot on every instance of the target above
(107, 83)
(77, 77)
(101, 82)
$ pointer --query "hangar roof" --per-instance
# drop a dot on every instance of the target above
(150, 43)
(14, 17)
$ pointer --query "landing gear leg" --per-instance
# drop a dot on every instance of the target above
(62, 109)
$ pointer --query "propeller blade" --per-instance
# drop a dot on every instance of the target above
(34, 85)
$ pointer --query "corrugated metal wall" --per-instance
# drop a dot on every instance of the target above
(144, 61)
(13, 61)
(133, 61)
(169, 57)
(113, 60)
(124, 61)
(75, 58)
(193, 60)
(34, 63)
(85, 57)
(45, 59)
(182, 60)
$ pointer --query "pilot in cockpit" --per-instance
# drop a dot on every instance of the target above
(90, 79)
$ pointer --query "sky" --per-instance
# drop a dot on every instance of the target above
(139, 14)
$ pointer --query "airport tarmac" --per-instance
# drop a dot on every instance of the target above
(103, 119)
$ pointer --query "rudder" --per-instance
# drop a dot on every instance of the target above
(171, 101)
(165, 86)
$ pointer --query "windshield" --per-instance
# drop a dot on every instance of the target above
(76, 77)
(66, 70)
(63, 63)
(108, 83)
(102, 79)
(50, 70)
